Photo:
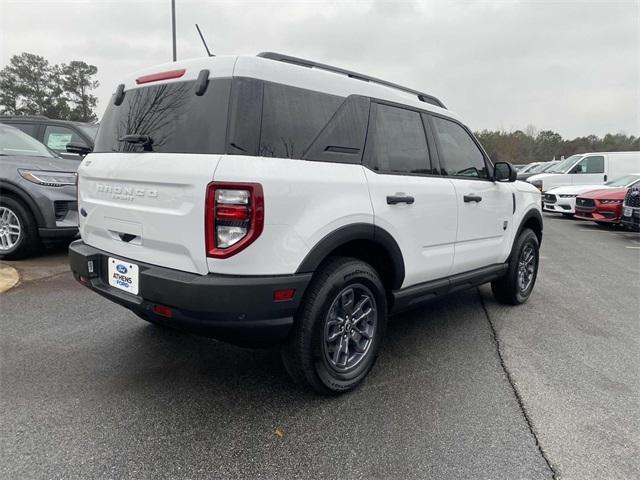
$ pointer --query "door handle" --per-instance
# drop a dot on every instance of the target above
(395, 199)
(472, 198)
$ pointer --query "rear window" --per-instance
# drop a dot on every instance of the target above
(176, 119)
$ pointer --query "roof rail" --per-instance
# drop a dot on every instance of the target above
(24, 116)
(423, 97)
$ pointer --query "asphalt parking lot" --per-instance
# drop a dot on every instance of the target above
(465, 388)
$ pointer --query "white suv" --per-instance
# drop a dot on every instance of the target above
(271, 199)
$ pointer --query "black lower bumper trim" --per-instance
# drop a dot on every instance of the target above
(61, 233)
(238, 309)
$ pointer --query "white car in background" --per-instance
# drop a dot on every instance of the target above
(563, 199)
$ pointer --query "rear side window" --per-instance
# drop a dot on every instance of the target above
(176, 119)
(397, 141)
(459, 154)
(292, 118)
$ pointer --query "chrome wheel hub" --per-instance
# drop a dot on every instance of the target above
(526, 268)
(10, 229)
(350, 326)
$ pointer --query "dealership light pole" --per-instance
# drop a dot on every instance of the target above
(173, 27)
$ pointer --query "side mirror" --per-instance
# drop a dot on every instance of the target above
(78, 148)
(504, 172)
(576, 169)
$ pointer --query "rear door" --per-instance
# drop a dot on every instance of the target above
(415, 206)
(485, 207)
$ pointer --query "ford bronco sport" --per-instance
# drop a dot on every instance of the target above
(273, 200)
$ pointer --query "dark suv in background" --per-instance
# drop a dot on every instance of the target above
(38, 195)
(56, 134)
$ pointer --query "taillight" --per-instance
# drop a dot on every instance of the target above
(234, 217)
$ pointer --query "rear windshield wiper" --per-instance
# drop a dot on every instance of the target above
(145, 140)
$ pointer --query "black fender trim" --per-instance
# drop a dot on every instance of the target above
(352, 232)
(532, 213)
(25, 198)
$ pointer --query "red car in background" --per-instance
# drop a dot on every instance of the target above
(601, 206)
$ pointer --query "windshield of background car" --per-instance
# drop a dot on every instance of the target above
(172, 115)
(17, 143)
(564, 165)
(549, 167)
(622, 181)
(90, 130)
(539, 168)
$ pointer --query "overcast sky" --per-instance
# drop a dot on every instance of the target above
(572, 66)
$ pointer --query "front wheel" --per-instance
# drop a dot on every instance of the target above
(516, 285)
(339, 327)
(18, 230)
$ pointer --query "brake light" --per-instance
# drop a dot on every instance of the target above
(234, 217)
(156, 77)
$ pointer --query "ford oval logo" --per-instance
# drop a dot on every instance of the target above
(122, 269)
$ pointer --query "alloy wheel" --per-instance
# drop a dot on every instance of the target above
(10, 229)
(526, 267)
(350, 327)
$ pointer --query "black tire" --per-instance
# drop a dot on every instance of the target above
(509, 288)
(28, 239)
(307, 355)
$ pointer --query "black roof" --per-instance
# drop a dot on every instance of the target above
(423, 97)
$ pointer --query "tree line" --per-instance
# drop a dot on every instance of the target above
(30, 85)
(532, 146)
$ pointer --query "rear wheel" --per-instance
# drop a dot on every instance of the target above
(18, 230)
(516, 285)
(339, 327)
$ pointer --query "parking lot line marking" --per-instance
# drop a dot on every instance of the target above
(637, 248)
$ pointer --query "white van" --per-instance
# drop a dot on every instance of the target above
(588, 169)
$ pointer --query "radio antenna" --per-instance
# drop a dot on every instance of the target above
(204, 42)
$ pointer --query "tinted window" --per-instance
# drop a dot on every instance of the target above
(397, 141)
(292, 118)
(16, 143)
(176, 119)
(28, 128)
(459, 155)
(342, 139)
(56, 138)
(593, 164)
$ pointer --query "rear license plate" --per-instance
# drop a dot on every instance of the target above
(123, 275)
(627, 212)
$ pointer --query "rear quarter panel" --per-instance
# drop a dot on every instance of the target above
(303, 200)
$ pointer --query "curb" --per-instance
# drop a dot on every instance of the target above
(9, 278)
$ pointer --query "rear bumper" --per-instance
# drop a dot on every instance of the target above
(238, 309)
